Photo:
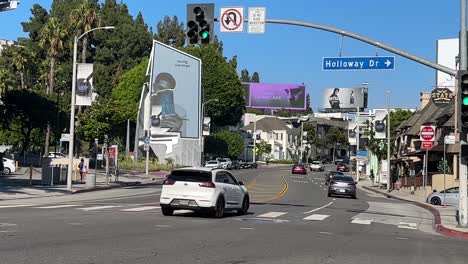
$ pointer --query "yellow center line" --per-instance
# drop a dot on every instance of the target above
(278, 195)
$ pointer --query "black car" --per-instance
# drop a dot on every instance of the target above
(235, 165)
(247, 165)
(342, 185)
(330, 174)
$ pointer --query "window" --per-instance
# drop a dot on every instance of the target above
(190, 176)
(281, 136)
(222, 177)
(231, 178)
(451, 190)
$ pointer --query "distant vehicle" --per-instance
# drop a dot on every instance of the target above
(56, 155)
(248, 165)
(317, 166)
(342, 167)
(9, 166)
(214, 164)
(330, 174)
(451, 197)
(299, 168)
(236, 165)
(345, 161)
(342, 185)
(226, 163)
(203, 189)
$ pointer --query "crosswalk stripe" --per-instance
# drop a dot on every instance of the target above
(361, 221)
(14, 205)
(57, 206)
(97, 207)
(405, 225)
(315, 217)
(139, 209)
(272, 214)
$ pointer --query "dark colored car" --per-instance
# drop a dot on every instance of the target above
(247, 165)
(330, 174)
(342, 185)
(299, 168)
(342, 167)
(235, 165)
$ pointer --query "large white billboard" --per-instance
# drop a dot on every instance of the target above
(84, 84)
(344, 99)
(447, 52)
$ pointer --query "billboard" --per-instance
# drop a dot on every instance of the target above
(344, 99)
(276, 96)
(447, 52)
(84, 84)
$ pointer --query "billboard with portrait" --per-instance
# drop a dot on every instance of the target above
(84, 84)
(344, 99)
(276, 96)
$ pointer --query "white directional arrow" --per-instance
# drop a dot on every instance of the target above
(387, 63)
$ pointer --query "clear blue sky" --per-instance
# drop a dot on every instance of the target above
(286, 54)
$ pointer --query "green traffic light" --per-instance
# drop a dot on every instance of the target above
(204, 34)
(465, 100)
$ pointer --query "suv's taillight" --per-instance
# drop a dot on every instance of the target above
(169, 182)
(207, 185)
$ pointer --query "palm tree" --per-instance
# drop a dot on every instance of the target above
(21, 59)
(52, 39)
(84, 18)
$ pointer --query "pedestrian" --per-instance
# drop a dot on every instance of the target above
(82, 169)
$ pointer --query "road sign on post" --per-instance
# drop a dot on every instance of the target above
(427, 144)
(232, 19)
(358, 63)
(427, 133)
(257, 17)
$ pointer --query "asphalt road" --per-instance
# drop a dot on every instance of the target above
(291, 220)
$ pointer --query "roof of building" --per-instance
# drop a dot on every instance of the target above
(431, 114)
(267, 124)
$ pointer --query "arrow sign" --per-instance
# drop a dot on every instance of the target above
(232, 19)
(358, 63)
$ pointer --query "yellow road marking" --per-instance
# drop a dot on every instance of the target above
(278, 195)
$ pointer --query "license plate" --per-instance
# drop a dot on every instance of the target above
(341, 190)
(183, 202)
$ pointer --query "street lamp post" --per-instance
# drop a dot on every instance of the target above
(200, 143)
(389, 178)
(72, 110)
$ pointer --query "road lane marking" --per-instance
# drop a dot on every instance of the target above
(301, 181)
(315, 217)
(7, 224)
(93, 208)
(75, 224)
(247, 228)
(163, 226)
(278, 195)
(15, 205)
(319, 208)
(406, 225)
(361, 221)
(272, 214)
(326, 233)
(402, 238)
(58, 206)
(140, 209)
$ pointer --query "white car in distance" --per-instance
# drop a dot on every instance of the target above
(212, 191)
(214, 164)
(9, 166)
(226, 163)
(317, 166)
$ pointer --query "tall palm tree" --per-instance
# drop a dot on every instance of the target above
(52, 39)
(21, 59)
(84, 17)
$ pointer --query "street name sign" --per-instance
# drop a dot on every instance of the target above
(232, 19)
(427, 133)
(358, 63)
(257, 17)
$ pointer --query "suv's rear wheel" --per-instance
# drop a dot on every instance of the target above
(6, 170)
(245, 206)
(218, 211)
(167, 210)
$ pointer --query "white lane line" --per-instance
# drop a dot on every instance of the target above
(58, 206)
(75, 224)
(402, 238)
(326, 233)
(405, 225)
(139, 209)
(315, 217)
(7, 224)
(272, 214)
(93, 208)
(247, 228)
(361, 221)
(15, 205)
(163, 226)
(319, 208)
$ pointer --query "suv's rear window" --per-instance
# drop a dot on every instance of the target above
(190, 176)
(343, 178)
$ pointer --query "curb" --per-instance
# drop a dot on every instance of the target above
(120, 185)
(439, 228)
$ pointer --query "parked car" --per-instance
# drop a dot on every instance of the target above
(214, 164)
(342, 167)
(56, 155)
(342, 185)
(226, 163)
(317, 166)
(235, 165)
(247, 165)
(9, 166)
(338, 160)
(299, 168)
(203, 189)
(451, 197)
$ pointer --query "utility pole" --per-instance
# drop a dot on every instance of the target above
(255, 138)
(357, 142)
(389, 170)
(106, 154)
(301, 138)
(127, 141)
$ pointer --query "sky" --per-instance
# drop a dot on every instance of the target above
(288, 54)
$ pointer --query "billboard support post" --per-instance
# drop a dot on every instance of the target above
(357, 142)
(255, 139)
(389, 178)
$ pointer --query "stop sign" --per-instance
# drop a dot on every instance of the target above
(427, 133)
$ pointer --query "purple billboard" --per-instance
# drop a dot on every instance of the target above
(275, 96)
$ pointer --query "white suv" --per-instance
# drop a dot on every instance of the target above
(203, 189)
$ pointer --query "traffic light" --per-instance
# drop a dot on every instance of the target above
(200, 23)
(463, 103)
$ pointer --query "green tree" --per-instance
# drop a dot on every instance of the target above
(233, 141)
(170, 31)
(396, 118)
(255, 77)
(333, 137)
(264, 148)
(245, 77)
(83, 18)
(220, 80)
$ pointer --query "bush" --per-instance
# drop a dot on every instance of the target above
(282, 161)
(140, 165)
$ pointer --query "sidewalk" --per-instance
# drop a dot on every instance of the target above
(18, 186)
(445, 217)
